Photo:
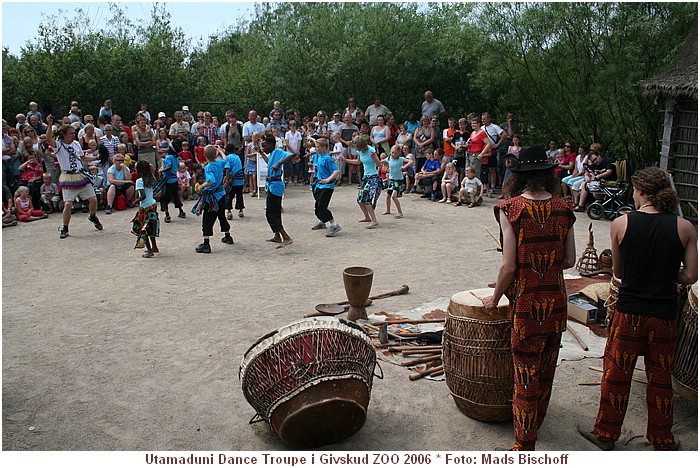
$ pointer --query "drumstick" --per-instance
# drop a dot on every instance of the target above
(476, 296)
(425, 372)
(493, 237)
(415, 348)
(435, 357)
(398, 321)
(421, 351)
(578, 338)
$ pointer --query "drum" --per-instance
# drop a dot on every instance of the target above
(476, 353)
(311, 380)
(685, 369)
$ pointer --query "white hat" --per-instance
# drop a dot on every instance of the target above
(185, 108)
(161, 114)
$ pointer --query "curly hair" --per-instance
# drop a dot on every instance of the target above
(60, 132)
(518, 182)
(655, 184)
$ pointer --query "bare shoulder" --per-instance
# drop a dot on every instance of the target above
(686, 231)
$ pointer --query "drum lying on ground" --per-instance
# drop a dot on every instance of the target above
(685, 368)
(477, 356)
(311, 380)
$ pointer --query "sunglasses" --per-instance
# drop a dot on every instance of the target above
(118, 160)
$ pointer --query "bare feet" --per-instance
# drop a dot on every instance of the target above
(148, 254)
(155, 250)
(386, 213)
(285, 243)
(399, 216)
(373, 225)
(275, 239)
(366, 220)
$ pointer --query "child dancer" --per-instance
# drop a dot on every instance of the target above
(23, 206)
(472, 189)
(450, 180)
(371, 185)
(183, 181)
(233, 175)
(171, 190)
(49, 194)
(275, 158)
(212, 202)
(327, 172)
(251, 163)
(395, 189)
(145, 225)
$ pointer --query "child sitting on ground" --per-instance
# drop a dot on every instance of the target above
(450, 179)
(472, 191)
(49, 194)
(24, 208)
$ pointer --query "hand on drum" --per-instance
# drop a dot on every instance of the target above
(489, 302)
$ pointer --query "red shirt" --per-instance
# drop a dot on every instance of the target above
(447, 146)
(199, 155)
(478, 141)
(568, 158)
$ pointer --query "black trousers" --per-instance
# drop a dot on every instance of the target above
(237, 192)
(273, 212)
(323, 199)
(171, 193)
(210, 216)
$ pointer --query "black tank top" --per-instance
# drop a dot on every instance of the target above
(651, 254)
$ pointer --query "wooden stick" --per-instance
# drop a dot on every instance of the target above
(492, 236)
(590, 383)
(413, 362)
(440, 370)
(578, 338)
(398, 321)
(420, 351)
(415, 348)
(636, 379)
(425, 372)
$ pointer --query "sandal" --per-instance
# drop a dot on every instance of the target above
(471, 205)
(579, 209)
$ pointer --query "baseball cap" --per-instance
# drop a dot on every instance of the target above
(161, 114)
(336, 113)
(185, 108)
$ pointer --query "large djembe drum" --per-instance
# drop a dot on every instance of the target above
(311, 380)
(685, 370)
(476, 353)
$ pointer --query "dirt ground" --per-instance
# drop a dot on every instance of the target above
(104, 350)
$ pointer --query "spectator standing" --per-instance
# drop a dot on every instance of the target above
(375, 110)
(431, 107)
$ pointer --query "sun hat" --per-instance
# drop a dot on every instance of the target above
(533, 158)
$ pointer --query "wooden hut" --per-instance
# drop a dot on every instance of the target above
(676, 87)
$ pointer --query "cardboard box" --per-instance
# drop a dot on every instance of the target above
(581, 309)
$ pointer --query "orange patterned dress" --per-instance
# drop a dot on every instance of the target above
(538, 304)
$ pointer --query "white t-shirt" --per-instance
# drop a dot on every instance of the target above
(249, 129)
(69, 156)
(293, 140)
(494, 133)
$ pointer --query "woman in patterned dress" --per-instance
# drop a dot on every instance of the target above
(538, 245)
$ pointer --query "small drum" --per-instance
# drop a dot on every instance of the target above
(685, 369)
(476, 353)
(311, 380)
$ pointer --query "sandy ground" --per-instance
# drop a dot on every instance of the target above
(126, 353)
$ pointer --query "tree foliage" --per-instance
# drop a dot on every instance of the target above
(569, 70)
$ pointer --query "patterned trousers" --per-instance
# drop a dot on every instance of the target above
(534, 361)
(632, 336)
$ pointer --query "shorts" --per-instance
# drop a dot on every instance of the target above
(370, 190)
(492, 161)
(398, 185)
(251, 166)
(411, 171)
(85, 193)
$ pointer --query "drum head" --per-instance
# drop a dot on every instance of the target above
(323, 414)
(330, 309)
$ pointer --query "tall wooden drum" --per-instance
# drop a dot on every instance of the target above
(685, 369)
(476, 353)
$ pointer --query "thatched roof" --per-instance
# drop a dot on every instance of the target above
(680, 77)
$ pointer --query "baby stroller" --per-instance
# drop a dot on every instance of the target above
(611, 197)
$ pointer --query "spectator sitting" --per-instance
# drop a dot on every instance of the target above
(429, 176)
(598, 169)
(119, 180)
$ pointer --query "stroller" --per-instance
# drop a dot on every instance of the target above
(611, 197)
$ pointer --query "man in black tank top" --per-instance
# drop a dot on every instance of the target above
(649, 245)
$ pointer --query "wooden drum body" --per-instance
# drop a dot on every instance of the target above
(311, 380)
(476, 353)
(685, 369)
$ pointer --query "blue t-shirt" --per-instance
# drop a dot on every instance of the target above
(235, 167)
(172, 161)
(149, 200)
(214, 173)
(431, 165)
(324, 166)
(367, 162)
(395, 168)
(276, 187)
